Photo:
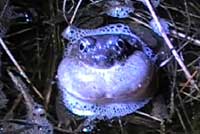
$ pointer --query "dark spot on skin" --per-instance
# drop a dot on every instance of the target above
(71, 31)
(117, 48)
(49, 131)
(121, 43)
(36, 107)
(119, 26)
(80, 31)
(42, 115)
(81, 46)
(126, 28)
(107, 29)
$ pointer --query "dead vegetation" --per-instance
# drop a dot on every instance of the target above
(32, 46)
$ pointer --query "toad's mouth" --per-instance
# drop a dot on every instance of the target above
(120, 83)
(110, 57)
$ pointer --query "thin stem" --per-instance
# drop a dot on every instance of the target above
(169, 44)
(63, 8)
(75, 11)
(22, 73)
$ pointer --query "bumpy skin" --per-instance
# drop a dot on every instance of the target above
(124, 81)
(112, 92)
(118, 9)
(74, 34)
(106, 72)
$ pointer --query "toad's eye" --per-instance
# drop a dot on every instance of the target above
(120, 43)
(84, 43)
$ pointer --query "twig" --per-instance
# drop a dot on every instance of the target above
(22, 88)
(19, 32)
(4, 8)
(169, 44)
(163, 63)
(191, 97)
(22, 73)
(173, 32)
(149, 116)
(63, 8)
(13, 107)
(183, 111)
(181, 119)
(181, 35)
(73, 3)
(75, 11)
(188, 81)
(180, 11)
